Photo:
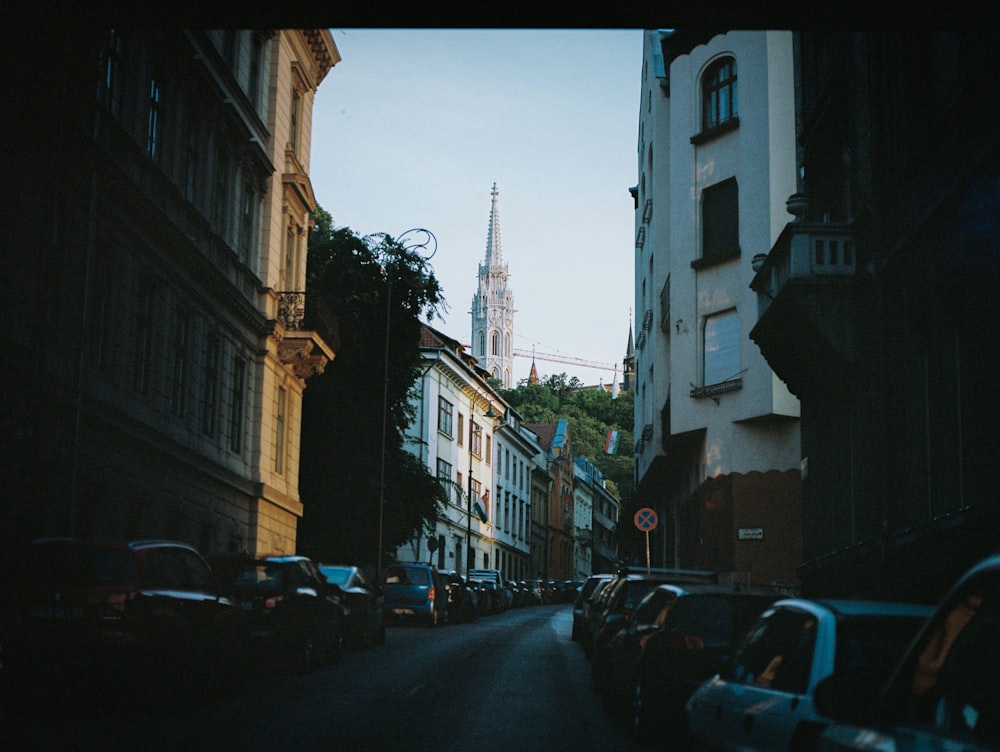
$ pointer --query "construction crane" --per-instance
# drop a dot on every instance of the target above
(567, 359)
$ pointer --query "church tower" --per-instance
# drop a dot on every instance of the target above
(493, 309)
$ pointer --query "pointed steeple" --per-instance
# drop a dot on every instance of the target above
(533, 375)
(494, 254)
(493, 307)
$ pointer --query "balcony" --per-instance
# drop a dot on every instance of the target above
(805, 303)
(306, 351)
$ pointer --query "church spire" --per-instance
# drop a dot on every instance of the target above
(494, 255)
(493, 307)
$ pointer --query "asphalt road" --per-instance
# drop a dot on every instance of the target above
(513, 681)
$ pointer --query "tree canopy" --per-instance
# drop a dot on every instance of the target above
(378, 288)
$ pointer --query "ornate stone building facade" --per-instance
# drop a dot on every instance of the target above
(155, 360)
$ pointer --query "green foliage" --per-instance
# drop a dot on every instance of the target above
(371, 284)
(591, 414)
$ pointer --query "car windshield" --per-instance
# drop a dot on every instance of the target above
(262, 578)
(336, 575)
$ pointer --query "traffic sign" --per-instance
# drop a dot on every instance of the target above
(645, 519)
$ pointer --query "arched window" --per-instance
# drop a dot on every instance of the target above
(718, 88)
(495, 343)
(480, 343)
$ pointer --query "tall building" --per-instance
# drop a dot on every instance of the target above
(154, 349)
(474, 443)
(493, 308)
(717, 432)
(878, 307)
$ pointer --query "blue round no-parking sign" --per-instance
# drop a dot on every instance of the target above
(645, 519)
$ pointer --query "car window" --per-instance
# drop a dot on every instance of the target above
(952, 679)
(707, 618)
(407, 576)
(337, 575)
(178, 568)
(654, 607)
(873, 645)
(777, 653)
(52, 565)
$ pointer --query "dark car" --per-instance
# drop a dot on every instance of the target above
(112, 609)
(944, 694)
(462, 599)
(586, 589)
(619, 600)
(295, 617)
(415, 593)
(681, 635)
(362, 601)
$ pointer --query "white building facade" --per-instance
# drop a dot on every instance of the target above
(717, 450)
(473, 442)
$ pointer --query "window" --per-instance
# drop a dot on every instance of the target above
(722, 347)
(444, 474)
(719, 99)
(288, 267)
(720, 222)
(102, 317)
(445, 416)
(475, 438)
(495, 343)
(210, 394)
(489, 448)
(461, 429)
(293, 134)
(481, 343)
(153, 120)
(142, 345)
(256, 54)
(220, 210)
(110, 91)
(247, 221)
(191, 154)
(279, 431)
(236, 405)
(179, 347)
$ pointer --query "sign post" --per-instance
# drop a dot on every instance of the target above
(646, 520)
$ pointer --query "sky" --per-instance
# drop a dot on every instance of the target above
(413, 127)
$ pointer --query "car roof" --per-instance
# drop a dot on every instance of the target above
(857, 608)
(284, 558)
(709, 588)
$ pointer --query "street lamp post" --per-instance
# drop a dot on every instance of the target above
(427, 242)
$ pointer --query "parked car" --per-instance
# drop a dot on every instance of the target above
(415, 593)
(296, 618)
(362, 601)
(763, 699)
(945, 691)
(534, 588)
(680, 636)
(613, 611)
(462, 599)
(504, 598)
(588, 587)
(118, 610)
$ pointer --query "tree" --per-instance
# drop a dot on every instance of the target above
(591, 414)
(376, 286)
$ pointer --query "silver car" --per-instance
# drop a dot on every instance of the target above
(763, 699)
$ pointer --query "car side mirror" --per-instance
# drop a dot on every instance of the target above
(306, 591)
